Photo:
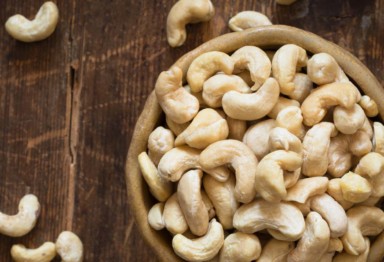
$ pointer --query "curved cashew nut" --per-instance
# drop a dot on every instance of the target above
(24, 221)
(239, 246)
(287, 60)
(69, 247)
(282, 102)
(291, 119)
(355, 188)
(256, 137)
(348, 120)
(276, 251)
(45, 253)
(314, 242)
(334, 190)
(39, 28)
(206, 128)
(176, 128)
(315, 106)
(332, 212)
(283, 221)
(345, 257)
(191, 202)
(242, 160)
(281, 138)
(183, 13)
(369, 106)
(160, 141)
(203, 248)
(256, 61)
(155, 216)
(362, 221)
(370, 165)
(205, 66)
(248, 19)
(222, 195)
(323, 69)
(306, 188)
(303, 87)
(237, 128)
(252, 106)
(378, 138)
(269, 181)
(173, 216)
(315, 149)
(216, 86)
(179, 105)
(376, 252)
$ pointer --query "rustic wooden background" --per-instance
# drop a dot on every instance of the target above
(68, 104)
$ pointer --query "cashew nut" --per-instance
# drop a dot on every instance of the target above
(38, 29)
(205, 66)
(376, 252)
(282, 103)
(281, 138)
(355, 188)
(348, 120)
(176, 128)
(323, 69)
(69, 247)
(45, 253)
(304, 208)
(257, 137)
(370, 165)
(306, 188)
(334, 190)
(185, 12)
(332, 212)
(363, 257)
(242, 160)
(155, 216)
(160, 141)
(303, 87)
(237, 128)
(378, 139)
(291, 119)
(173, 216)
(276, 251)
(179, 105)
(283, 221)
(369, 106)
(315, 106)
(240, 247)
(252, 106)
(269, 181)
(203, 248)
(24, 221)
(248, 19)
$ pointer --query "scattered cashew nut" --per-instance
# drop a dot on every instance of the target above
(355, 188)
(248, 19)
(306, 188)
(257, 137)
(281, 138)
(282, 102)
(369, 106)
(45, 253)
(291, 119)
(348, 120)
(69, 247)
(155, 216)
(173, 216)
(240, 247)
(160, 141)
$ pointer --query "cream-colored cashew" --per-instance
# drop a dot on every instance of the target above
(315, 149)
(281, 138)
(237, 128)
(206, 128)
(176, 128)
(276, 251)
(173, 216)
(45, 253)
(282, 103)
(291, 178)
(348, 120)
(285, 2)
(155, 216)
(303, 87)
(256, 61)
(306, 188)
(69, 247)
(304, 208)
(252, 106)
(360, 143)
(203, 248)
(257, 137)
(355, 188)
(315, 106)
(370, 165)
(24, 221)
(291, 119)
(369, 106)
(332, 212)
(222, 195)
(334, 190)
(314, 242)
(240, 247)
(41, 27)
(216, 86)
(376, 252)
(283, 221)
(160, 188)
(205, 66)
(363, 257)
(378, 138)
(198, 95)
(160, 141)
(287, 60)
(269, 181)
(177, 103)
(185, 12)
(323, 69)
(248, 19)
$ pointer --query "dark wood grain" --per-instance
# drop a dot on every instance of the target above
(68, 104)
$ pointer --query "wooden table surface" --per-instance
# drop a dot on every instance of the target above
(68, 104)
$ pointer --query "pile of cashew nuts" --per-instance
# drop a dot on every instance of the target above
(268, 156)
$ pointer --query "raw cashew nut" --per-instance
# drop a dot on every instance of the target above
(363, 257)
(376, 252)
(315, 149)
(203, 248)
(303, 87)
(242, 160)
(348, 120)
(315, 106)
(314, 242)
(248, 19)
(173, 216)
(281, 138)
(306, 188)
(282, 103)
(44, 253)
(378, 139)
(205, 66)
(240, 247)
(256, 61)
(323, 69)
(185, 12)
(369, 106)
(362, 221)
(334, 190)
(237, 128)
(291, 119)
(24, 221)
(355, 188)
(283, 221)
(257, 137)
(206, 128)
(175, 127)
(269, 181)
(252, 106)
(179, 105)
(38, 29)
(287, 60)
(69, 247)
(160, 141)
(370, 165)
(155, 216)
(276, 251)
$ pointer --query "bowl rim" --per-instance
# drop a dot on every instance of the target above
(263, 37)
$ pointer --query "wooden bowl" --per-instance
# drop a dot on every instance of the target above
(263, 37)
